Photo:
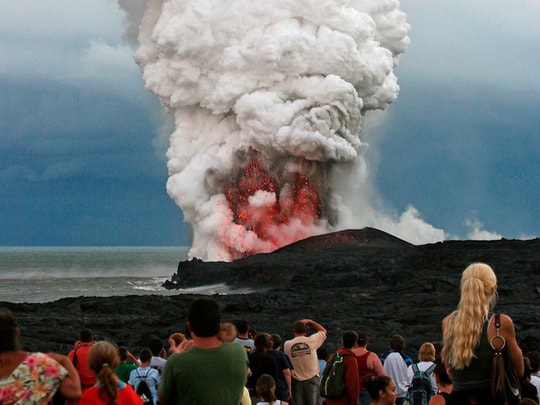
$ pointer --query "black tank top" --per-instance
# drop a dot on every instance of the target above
(478, 374)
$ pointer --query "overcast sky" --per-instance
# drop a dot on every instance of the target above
(82, 144)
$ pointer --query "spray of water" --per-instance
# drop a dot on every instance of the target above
(268, 99)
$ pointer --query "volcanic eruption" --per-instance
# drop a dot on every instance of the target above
(268, 100)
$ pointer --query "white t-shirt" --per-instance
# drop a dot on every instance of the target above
(396, 368)
(535, 380)
(423, 366)
(302, 351)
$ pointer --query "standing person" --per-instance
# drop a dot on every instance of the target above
(79, 357)
(103, 359)
(283, 383)
(426, 363)
(368, 364)
(382, 389)
(444, 384)
(159, 354)
(302, 351)
(211, 371)
(395, 366)
(260, 362)
(466, 335)
(145, 372)
(31, 377)
(242, 335)
(352, 383)
(127, 364)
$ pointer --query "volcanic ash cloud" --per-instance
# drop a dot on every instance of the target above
(268, 99)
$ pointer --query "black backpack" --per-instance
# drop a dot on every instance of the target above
(420, 390)
(143, 390)
(333, 378)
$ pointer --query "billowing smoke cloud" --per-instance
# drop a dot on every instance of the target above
(268, 99)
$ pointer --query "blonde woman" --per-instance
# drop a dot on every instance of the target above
(466, 333)
(426, 363)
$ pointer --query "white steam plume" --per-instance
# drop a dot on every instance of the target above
(268, 99)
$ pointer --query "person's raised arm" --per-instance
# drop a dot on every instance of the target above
(317, 326)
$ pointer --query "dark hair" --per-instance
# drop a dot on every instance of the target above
(276, 340)
(123, 353)
(442, 375)
(155, 346)
(397, 343)
(374, 384)
(264, 386)
(300, 327)
(349, 339)
(204, 317)
(534, 358)
(9, 340)
(145, 355)
(362, 339)
(242, 326)
(86, 335)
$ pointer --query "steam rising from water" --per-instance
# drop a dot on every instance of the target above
(268, 99)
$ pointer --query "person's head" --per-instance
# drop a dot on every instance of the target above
(363, 340)
(155, 346)
(426, 352)
(464, 326)
(227, 332)
(103, 359)
(145, 356)
(527, 401)
(381, 388)
(478, 288)
(123, 353)
(204, 317)
(397, 343)
(266, 387)
(534, 358)
(262, 342)
(276, 341)
(349, 339)
(9, 331)
(441, 376)
(177, 338)
(299, 328)
(242, 326)
(86, 336)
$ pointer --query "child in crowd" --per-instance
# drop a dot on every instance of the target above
(103, 359)
(266, 391)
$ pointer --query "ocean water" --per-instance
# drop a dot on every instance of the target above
(44, 274)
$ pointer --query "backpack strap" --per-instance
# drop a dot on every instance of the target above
(415, 368)
(430, 369)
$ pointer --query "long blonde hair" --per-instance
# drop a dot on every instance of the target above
(464, 327)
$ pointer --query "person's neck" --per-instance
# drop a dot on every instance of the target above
(445, 388)
(207, 342)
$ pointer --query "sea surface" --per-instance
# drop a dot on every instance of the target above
(45, 274)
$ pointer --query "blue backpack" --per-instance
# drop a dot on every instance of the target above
(420, 390)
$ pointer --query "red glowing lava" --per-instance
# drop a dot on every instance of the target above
(266, 198)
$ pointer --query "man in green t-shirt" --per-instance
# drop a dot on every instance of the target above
(211, 372)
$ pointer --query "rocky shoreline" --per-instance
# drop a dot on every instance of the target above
(364, 280)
